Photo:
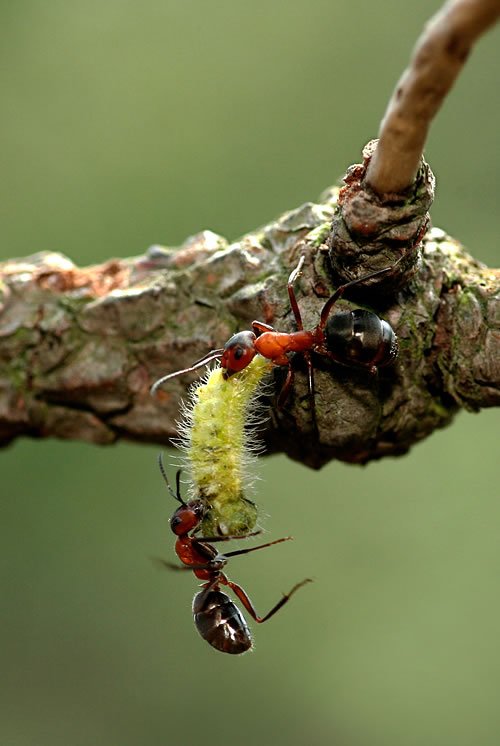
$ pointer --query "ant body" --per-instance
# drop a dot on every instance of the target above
(356, 338)
(216, 616)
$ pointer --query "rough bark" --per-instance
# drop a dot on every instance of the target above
(80, 348)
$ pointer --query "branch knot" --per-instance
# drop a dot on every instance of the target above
(372, 231)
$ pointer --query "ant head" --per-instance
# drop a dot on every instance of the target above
(238, 352)
(190, 514)
(187, 517)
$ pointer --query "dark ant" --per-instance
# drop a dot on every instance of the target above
(356, 338)
(216, 616)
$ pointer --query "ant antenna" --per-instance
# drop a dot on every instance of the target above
(177, 494)
(212, 355)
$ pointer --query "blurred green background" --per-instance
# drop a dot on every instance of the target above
(130, 123)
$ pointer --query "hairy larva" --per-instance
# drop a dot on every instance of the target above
(217, 435)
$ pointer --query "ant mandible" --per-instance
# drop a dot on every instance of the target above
(216, 617)
(357, 338)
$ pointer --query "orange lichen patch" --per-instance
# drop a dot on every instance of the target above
(321, 289)
(27, 267)
(162, 396)
(189, 255)
(197, 248)
(98, 279)
(56, 273)
(212, 278)
(268, 312)
(139, 380)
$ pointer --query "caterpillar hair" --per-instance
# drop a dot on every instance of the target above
(217, 434)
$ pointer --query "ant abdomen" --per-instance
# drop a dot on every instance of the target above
(361, 338)
(220, 622)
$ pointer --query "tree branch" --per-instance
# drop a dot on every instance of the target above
(437, 59)
(80, 348)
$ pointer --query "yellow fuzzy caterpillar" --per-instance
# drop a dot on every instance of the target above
(217, 435)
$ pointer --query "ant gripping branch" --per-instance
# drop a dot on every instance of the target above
(216, 616)
(356, 338)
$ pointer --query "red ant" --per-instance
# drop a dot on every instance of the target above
(356, 338)
(216, 616)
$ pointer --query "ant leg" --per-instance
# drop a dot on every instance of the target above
(172, 566)
(214, 539)
(291, 294)
(310, 386)
(243, 597)
(285, 391)
(372, 369)
(283, 396)
(258, 327)
(341, 290)
(254, 549)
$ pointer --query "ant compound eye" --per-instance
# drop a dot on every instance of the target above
(175, 522)
(238, 352)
